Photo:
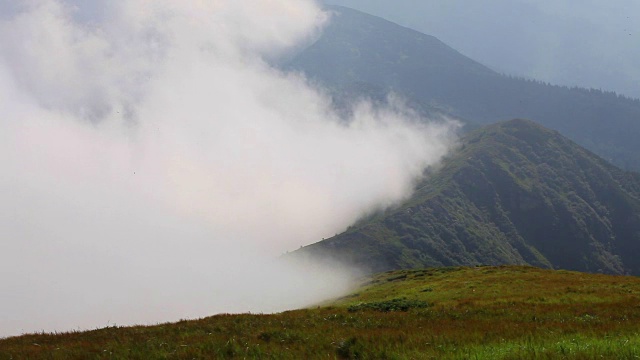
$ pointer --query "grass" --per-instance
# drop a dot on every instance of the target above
(449, 313)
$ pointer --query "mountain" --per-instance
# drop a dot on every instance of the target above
(358, 51)
(513, 193)
(593, 45)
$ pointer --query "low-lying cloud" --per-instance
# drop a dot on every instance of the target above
(153, 165)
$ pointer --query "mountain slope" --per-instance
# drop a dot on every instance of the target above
(514, 193)
(357, 48)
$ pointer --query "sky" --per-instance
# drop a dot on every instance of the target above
(154, 167)
(591, 43)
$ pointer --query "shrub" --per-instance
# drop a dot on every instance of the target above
(401, 304)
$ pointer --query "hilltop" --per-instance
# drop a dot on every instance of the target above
(512, 193)
(448, 313)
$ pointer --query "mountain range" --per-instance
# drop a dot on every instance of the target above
(360, 55)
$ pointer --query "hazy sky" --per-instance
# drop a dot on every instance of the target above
(589, 43)
(153, 166)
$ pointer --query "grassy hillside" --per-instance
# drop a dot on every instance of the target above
(357, 49)
(448, 313)
(513, 193)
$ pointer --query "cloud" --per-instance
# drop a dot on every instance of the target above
(154, 165)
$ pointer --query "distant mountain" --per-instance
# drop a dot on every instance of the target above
(362, 52)
(591, 45)
(513, 193)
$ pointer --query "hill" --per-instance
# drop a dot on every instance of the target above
(359, 51)
(449, 313)
(513, 193)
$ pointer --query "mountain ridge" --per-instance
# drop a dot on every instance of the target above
(512, 193)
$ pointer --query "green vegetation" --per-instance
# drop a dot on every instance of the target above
(513, 193)
(473, 313)
(397, 304)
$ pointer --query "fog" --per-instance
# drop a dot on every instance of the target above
(592, 44)
(155, 167)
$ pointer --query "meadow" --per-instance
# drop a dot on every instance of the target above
(508, 312)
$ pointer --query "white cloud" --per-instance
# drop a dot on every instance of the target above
(154, 165)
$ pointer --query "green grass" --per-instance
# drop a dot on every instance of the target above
(448, 313)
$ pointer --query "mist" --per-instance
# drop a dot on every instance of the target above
(154, 166)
